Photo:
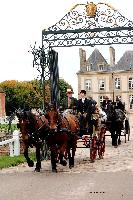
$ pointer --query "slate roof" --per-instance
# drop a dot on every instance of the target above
(125, 62)
(95, 59)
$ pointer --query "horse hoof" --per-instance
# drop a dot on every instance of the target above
(100, 157)
(37, 170)
(71, 166)
(92, 161)
(119, 142)
(54, 170)
(63, 162)
(31, 163)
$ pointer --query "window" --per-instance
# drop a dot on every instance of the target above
(89, 67)
(101, 98)
(130, 82)
(131, 101)
(88, 84)
(101, 84)
(101, 67)
(117, 83)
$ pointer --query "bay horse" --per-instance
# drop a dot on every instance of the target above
(34, 130)
(65, 129)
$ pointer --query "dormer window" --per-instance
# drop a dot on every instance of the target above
(89, 67)
(101, 67)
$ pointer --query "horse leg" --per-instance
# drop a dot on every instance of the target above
(70, 158)
(119, 128)
(62, 161)
(63, 154)
(119, 137)
(53, 161)
(38, 157)
(71, 152)
(26, 155)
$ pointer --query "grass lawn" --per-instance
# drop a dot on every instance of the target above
(7, 161)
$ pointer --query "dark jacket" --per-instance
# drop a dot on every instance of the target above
(87, 107)
(119, 105)
(105, 105)
(82, 107)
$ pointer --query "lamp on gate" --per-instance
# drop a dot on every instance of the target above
(39, 61)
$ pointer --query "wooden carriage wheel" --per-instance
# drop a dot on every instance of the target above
(93, 148)
(101, 142)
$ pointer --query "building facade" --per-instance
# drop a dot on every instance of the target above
(100, 78)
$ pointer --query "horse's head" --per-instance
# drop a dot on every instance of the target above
(32, 125)
(53, 117)
(23, 122)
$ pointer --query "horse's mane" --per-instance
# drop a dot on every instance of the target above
(32, 120)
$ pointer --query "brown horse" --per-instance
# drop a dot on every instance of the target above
(65, 129)
(34, 130)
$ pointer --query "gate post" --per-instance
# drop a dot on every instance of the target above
(16, 143)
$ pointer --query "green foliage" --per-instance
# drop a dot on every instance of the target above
(28, 94)
(22, 95)
(5, 127)
(7, 161)
(63, 85)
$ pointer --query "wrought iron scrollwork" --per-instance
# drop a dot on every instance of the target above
(102, 24)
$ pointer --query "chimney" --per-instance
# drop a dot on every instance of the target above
(82, 56)
(112, 56)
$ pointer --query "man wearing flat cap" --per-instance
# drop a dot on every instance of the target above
(69, 102)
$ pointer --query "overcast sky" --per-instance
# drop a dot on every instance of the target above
(22, 22)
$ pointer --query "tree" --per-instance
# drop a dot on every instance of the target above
(28, 94)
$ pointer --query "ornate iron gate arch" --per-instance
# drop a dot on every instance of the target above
(84, 25)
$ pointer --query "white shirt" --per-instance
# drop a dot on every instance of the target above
(83, 99)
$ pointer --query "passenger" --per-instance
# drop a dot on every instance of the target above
(105, 104)
(69, 102)
(119, 105)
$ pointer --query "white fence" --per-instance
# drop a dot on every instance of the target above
(14, 144)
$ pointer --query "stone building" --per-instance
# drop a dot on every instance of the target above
(100, 78)
(2, 103)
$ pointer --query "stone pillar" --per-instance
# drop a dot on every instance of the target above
(112, 56)
(82, 56)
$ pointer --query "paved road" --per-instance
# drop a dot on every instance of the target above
(108, 179)
(64, 186)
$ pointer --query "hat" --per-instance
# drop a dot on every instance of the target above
(83, 91)
(69, 90)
